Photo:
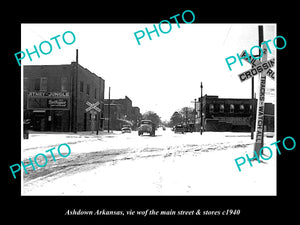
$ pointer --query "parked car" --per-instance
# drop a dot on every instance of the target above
(179, 128)
(146, 126)
(126, 129)
(189, 128)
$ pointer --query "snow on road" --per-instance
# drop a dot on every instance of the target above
(167, 164)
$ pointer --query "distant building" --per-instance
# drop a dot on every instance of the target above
(55, 97)
(230, 114)
(121, 113)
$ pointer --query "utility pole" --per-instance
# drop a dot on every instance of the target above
(253, 111)
(186, 116)
(75, 94)
(195, 113)
(260, 40)
(201, 123)
(259, 141)
(108, 122)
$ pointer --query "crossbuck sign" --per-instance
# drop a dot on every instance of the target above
(92, 107)
(262, 67)
(257, 67)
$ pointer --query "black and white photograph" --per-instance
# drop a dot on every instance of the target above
(168, 115)
(165, 116)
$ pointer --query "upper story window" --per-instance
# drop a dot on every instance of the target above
(231, 109)
(242, 108)
(221, 108)
(211, 108)
(64, 83)
(25, 87)
(43, 84)
(88, 89)
(81, 86)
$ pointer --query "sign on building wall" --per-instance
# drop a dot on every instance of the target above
(48, 100)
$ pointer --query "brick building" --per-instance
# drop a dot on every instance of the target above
(231, 114)
(55, 97)
(121, 112)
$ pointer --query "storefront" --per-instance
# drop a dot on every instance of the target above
(49, 111)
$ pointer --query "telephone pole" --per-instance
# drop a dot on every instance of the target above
(108, 121)
(260, 40)
(201, 123)
(259, 141)
(74, 95)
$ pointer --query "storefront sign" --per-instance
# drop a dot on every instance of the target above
(47, 94)
(46, 103)
(57, 103)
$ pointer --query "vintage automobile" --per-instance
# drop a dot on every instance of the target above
(146, 126)
(126, 129)
(179, 128)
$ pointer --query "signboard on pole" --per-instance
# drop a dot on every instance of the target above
(92, 106)
(261, 107)
(262, 67)
(93, 109)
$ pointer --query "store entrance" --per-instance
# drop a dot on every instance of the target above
(39, 121)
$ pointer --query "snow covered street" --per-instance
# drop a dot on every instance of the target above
(167, 164)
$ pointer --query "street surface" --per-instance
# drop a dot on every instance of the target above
(128, 164)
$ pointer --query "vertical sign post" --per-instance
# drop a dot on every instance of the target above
(93, 109)
(264, 68)
(259, 141)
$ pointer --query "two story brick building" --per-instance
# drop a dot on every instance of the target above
(231, 114)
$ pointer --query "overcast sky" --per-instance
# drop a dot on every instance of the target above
(162, 74)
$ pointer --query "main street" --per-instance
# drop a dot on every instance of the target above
(128, 164)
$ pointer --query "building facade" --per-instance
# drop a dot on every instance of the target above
(230, 114)
(55, 97)
(121, 112)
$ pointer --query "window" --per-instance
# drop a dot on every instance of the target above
(43, 84)
(221, 108)
(95, 93)
(211, 108)
(25, 87)
(64, 84)
(231, 109)
(242, 108)
(36, 84)
(88, 89)
(81, 86)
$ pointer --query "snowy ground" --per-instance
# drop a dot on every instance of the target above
(128, 164)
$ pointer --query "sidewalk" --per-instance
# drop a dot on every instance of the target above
(42, 141)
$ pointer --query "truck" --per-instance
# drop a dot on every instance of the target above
(146, 126)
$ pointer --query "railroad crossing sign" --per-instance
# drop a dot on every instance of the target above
(262, 67)
(92, 107)
(258, 67)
